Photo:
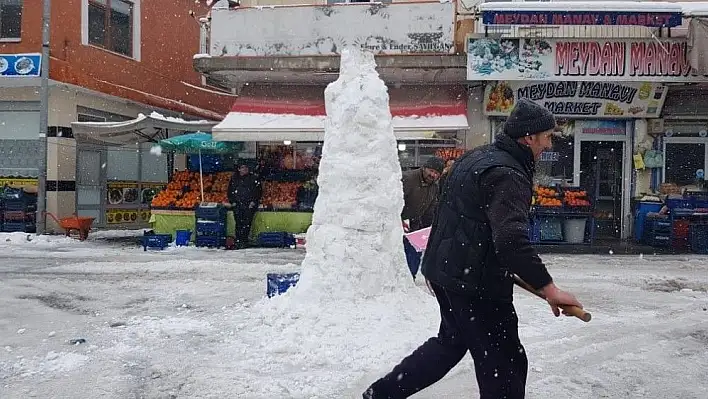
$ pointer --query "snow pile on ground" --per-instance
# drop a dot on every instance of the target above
(34, 240)
(355, 305)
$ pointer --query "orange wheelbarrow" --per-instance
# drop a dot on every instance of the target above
(82, 224)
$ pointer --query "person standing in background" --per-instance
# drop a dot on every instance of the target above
(245, 192)
(420, 196)
(445, 173)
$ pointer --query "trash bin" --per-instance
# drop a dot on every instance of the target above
(574, 230)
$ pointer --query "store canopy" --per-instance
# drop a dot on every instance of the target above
(266, 120)
(151, 128)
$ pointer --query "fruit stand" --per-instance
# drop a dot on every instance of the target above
(172, 209)
(289, 177)
(289, 184)
(561, 215)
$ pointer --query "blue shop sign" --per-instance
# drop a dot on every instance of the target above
(605, 18)
(20, 65)
(549, 156)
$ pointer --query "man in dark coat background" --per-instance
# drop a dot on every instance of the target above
(244, 194)
(479, 238)
(420, 197)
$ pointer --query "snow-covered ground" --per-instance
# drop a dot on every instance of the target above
(194, 323)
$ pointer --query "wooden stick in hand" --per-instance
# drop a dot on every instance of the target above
(568, 309)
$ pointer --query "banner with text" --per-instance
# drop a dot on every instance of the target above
(619, 60)
(579, 99)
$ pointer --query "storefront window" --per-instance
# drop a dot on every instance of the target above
(154, 167)
(556, 165)
(122, 164)
(19, 125)
(414, 153)
(406, 154)
(682, 160)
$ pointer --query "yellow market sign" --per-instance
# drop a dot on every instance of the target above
(17, 182)
(579, 99)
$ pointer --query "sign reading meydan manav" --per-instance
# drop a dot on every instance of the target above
(612, 100)
(604, 18)
(619, 60)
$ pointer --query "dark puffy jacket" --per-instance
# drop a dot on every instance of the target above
(480, 233)
(244, 189)
(419, 199)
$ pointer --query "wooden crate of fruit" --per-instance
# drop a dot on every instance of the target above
(576, 199)
(184, 190)
(547, 197)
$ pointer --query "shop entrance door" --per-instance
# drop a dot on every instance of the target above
(601, 174)
(90, 184)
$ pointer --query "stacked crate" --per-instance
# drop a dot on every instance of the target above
(19, 211)
(657, 232)
(210, 229)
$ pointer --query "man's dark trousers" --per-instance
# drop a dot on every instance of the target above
(488, 330)
(243, 216)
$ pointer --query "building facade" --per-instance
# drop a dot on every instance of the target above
(110, 60)
(282, 58)
(622, 86)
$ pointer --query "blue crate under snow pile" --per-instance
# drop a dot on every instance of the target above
(278, 283)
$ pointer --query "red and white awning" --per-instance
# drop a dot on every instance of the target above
(264, 120)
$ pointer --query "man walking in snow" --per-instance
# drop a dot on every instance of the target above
(420, 196)
(479, 239)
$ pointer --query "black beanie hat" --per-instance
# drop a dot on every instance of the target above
(435, 163)
(528, 118)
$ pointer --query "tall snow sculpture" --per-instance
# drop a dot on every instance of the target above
(354, 245)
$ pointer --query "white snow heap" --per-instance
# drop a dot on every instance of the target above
(354, 245)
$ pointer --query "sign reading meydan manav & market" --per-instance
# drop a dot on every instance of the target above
(589, 17)
(612, 100)
(619, 60)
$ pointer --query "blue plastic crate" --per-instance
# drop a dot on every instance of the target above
(660, 225)
(213, 213)
(20, 205)
(700, 203)
(698, 238)
(210, 228)
(156, 241)
(276, 240)
(639, 220)
(278, 283)
(534, 231)
(210, 241)
(659, 240)
(680, 203)
(14, 227)
(182, 237)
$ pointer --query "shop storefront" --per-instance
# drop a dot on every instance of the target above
(596, 110)
(118, 173)
(608, 91)
(591, 156)
(19, 119)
